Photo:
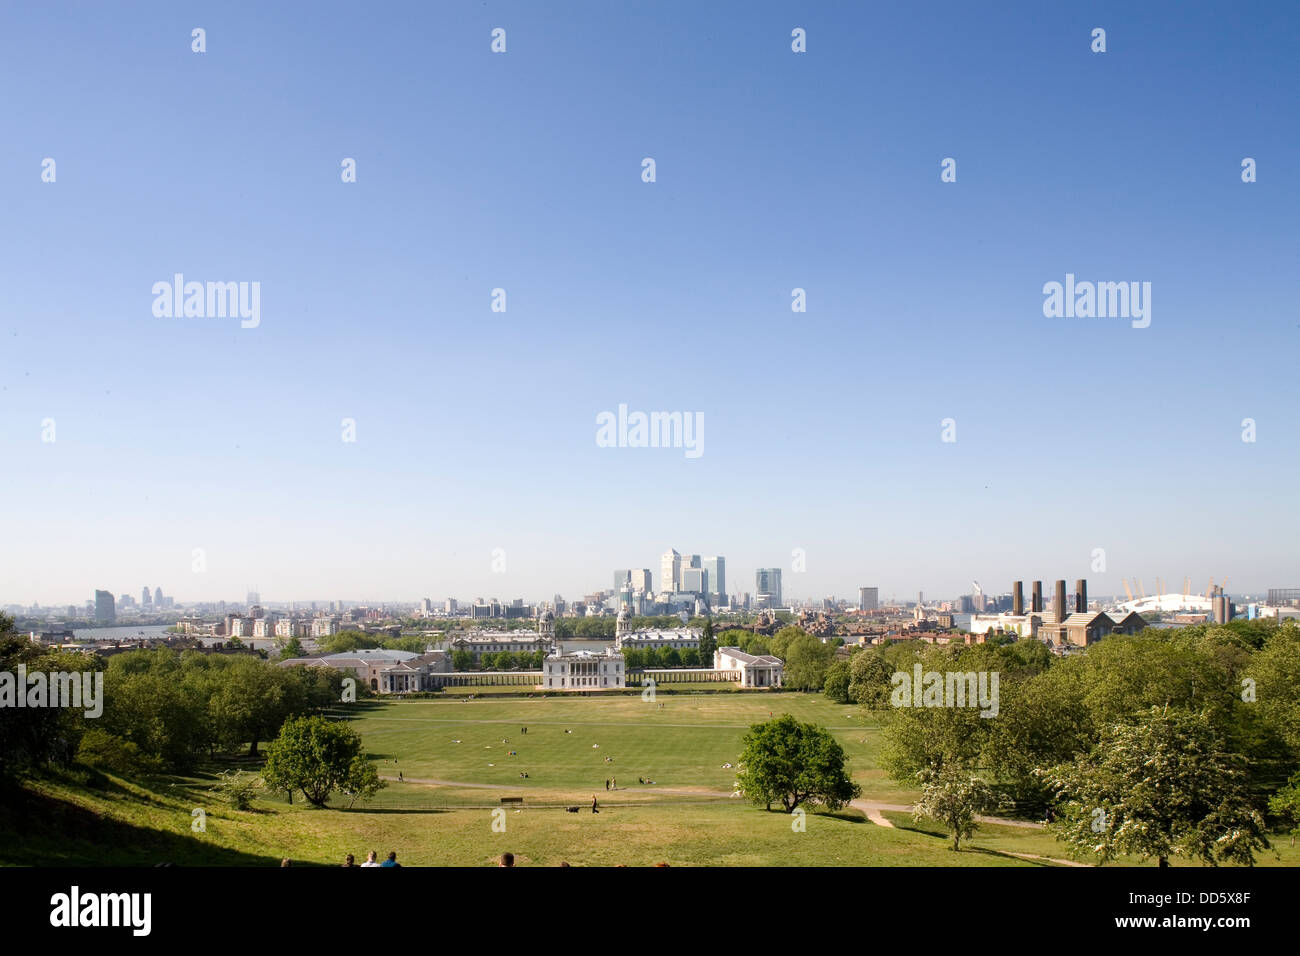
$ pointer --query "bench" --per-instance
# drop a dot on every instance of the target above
(512, 801)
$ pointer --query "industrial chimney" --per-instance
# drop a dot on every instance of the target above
(1017, 597)
(1060, 601)
(1081, 596)
(1036, 598)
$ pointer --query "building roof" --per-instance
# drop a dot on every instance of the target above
(738, 654)
(1087, 620)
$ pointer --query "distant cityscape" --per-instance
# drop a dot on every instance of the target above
(689, 586)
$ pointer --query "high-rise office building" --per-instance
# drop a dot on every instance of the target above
(670, 571)
(146, 599)
(157, 597)
(868, 599)
(695, 581)
(105, 609)
(767, 587)
(717, 570)
(640, 580)
(621, 580)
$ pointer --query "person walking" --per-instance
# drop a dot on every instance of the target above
(614, 784)
(606, 783)
(593, 804)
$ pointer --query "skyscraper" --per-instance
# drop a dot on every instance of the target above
(670, 571)
(717, 570)
(105, 609)
(146, 599)
(621, 580)
(868, 599)
(157, 597)
(695, 581)
(640, 580)
(767, 585)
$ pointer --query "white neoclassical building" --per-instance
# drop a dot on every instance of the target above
(755, 671)
(583, 670)
(680, 638)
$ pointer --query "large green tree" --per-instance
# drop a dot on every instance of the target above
(806, 662)
(318, 757)
(795, 763)
(708, 644)
(836, 686)
(869, 679)
(1160, 786)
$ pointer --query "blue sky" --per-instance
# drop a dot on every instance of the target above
(775, 170)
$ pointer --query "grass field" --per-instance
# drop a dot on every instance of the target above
(442, 814)
(681, 742)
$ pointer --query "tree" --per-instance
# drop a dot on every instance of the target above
(362, 780)
(837, 682)
(1285, 805)
(33, 736)
(778, 645)
(783, 759)
(292, 648)
(869, 679)
(806, 661)
(462, 661)
(345, 641)
(318, 757)
(1158, 787)
(708, 644)
(954, 798)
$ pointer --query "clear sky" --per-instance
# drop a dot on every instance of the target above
(475, 430)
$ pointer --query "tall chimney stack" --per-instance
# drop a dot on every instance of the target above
(1017, 597)
(1060, 600)
(1036, 598)
(1081, 595)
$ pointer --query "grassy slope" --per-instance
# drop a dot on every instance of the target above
(685, 819)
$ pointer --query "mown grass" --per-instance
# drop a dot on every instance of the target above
(687, 817)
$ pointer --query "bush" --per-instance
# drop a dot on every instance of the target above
(105, 751)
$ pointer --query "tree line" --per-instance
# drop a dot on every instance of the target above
(1168, 742)
(162, 709)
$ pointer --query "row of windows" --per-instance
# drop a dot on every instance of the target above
(579, 682)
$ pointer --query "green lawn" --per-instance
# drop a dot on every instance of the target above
(687, 817)
(680, 741)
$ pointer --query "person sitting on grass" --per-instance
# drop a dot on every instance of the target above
(392, 859)
(370, 859)
(507, 859)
